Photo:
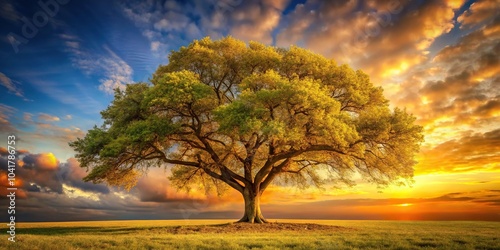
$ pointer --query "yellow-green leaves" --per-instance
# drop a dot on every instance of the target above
(240, 117)
(295, 112)
(299, 62)
(270, 80)
(233, 112)
(177, 89)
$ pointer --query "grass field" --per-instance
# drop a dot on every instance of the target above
(199, 234)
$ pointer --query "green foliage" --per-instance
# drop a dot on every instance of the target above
(246, 115)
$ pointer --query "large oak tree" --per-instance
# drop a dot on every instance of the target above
(224, 113)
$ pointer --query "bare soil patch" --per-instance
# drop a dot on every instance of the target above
(272, 227)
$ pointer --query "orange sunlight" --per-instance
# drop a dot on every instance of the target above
(404, 205)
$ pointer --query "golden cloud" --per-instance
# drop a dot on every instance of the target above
(479, 12)
(43, 161)
(379, 40)
(454, 93)
(472, 152)
(255, 21)
(48, 118)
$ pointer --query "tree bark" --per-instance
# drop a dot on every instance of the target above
(252, 212)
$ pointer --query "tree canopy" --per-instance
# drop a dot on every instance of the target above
(229, 114)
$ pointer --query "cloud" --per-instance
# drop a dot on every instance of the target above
(482, 39)
(72, 174)
(43, 176)
(50, 192)
(10, 85)
(193, 31)
(155, 187)
(115, 73)
(56, 133)
(474, 205)
(454, 97)
(428, 22)
(73, 45)
(44, 132)
(457, 88)
(257, 20)
(141, 12)
(7, 11)
(471, 152)
(48, 118)
(37, 172)
(4, 184)
(28, 117)
(46, 185)
(43, 161)
(479, 12)
(43, 172)
(6, 113)
(485, 197)
(41, 130)
(173, 23)
(155, 46)
(374, 40)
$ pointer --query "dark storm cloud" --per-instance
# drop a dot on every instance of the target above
(54, 191)
(44, 173)
(40, 170)
(72, 174)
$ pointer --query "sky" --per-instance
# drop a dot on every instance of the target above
(61, 59)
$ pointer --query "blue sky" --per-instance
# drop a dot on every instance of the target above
(59, 65)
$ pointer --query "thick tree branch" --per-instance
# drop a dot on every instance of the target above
(268, 165)
(227, 173)
(272, 174)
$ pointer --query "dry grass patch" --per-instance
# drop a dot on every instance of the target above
(273, 227)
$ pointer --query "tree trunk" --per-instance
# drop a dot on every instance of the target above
(252, 207)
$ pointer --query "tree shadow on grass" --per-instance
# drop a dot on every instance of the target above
(76, 230)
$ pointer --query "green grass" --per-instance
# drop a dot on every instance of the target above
(154, 235)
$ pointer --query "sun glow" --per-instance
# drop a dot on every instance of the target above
(404, 205)
(424, 100)
(73, 192)
(397, 70)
